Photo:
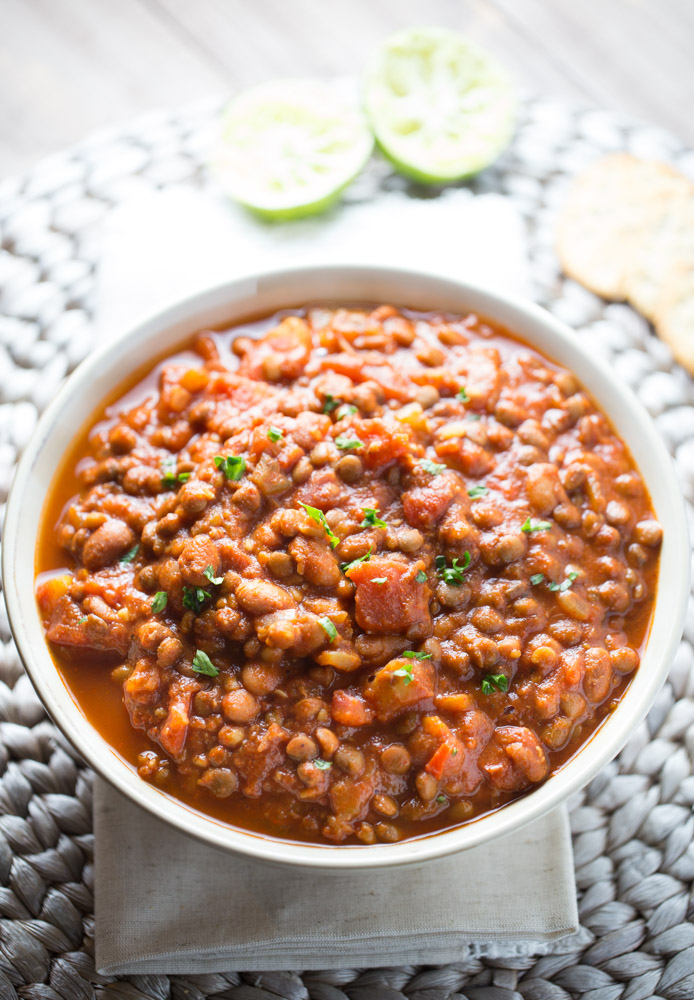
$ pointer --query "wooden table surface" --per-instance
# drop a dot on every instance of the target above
(69, 66)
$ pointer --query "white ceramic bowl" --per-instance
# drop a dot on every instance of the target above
(226, 304)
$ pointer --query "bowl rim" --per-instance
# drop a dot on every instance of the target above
(670, 599)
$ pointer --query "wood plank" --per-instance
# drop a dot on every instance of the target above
(69, 67)
(311, 37)
(632, 57)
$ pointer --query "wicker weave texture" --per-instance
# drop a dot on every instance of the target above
(633, 827)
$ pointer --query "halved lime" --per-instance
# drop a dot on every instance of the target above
(440, 108)
(289, 147)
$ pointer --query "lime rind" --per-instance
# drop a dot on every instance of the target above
(440, 107)
(289, 148)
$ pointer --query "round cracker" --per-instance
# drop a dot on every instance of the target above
(664, 247)
(610, 211)
(674, 313)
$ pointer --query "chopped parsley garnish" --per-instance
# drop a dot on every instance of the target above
(405, 672)
(347, 410)
(380, 580)
(330, 403)
(233, 466)
(202, 664)
(494, 682)
(328, 627)
(529, 525)
(194, 598)
(454, 573)
(347, 566)
(371, 518)
(441, 799)
(319, 517)
(159, 602)
(209, 573)
(421, 577)
(410, 654)
(322, 765)
(462, 395)
(347, 443)
(169, 478)
(537, 579)
(275, 434)
(565, 584)
(477, 491)
(130, 554)
(82, 620)
(433, 468)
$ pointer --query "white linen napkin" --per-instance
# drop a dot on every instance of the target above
(167, 904)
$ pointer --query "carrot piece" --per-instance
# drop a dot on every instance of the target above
(437, 763)
(434, 726)
(454, 702)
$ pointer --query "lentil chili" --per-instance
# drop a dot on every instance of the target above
(362, 576)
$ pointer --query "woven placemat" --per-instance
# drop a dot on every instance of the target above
(633, 827)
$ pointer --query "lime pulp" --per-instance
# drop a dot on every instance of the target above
(441, 109)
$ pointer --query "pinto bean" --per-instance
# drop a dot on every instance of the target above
(260, 597)
(648, 533)
(198, 553)
(104, 545)
(240, 706)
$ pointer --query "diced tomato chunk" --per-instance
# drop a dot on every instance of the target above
(425, 505)
(400, 605)
(399, 685)
(350, 710)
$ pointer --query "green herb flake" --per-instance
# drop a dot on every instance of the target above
(322, 765)
(405, 672)
(371, 518)
(330, 403)
(421, 577)
(209, 573)
(319, 517)
(233, 466)
(328, 627)
(565, 584)
(433, 468)
(347, 566)
(82, 620)
(275, 434)
(194, 598)
(380, 580)
(410, 654)
(494, 682)
(170, 479)
(477, 491)
(346, 411)
(159, 602)
(202, 664)
(537, 579)
(347, 443)
(462, 395)
(529, 526)
(130, 555)
(441, 799)
(454, 573)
